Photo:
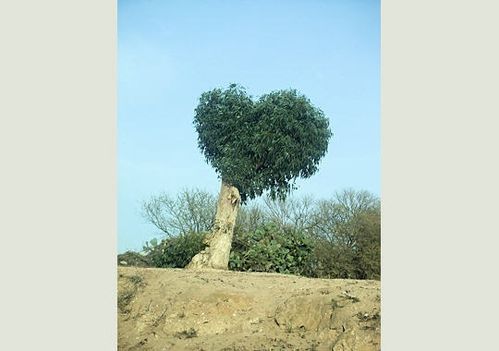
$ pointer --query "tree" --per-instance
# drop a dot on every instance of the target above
(367, 260)
(191, 211)
(292, 212)
(348, 229)
(250, 218)
(254, 146)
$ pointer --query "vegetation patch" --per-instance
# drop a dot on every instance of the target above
(332, 238)
(129, 291)
(187, 334)
(365, 317)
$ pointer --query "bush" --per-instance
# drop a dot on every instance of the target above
(271, 249)
(368, 250)
(174, 252)
(347, 230)
(131, 258)
(333, 238)
(333, 261)
(354, 252)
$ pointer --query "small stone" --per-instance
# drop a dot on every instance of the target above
(255, 321)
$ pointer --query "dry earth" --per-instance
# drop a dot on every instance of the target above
(175, 309)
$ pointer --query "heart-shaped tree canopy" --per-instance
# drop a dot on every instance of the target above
(262, 145)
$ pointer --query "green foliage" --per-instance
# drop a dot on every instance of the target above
(335, 238)
(135, 259)
(347, 229)
(333, 261)
(271, 249)
(367, 259)
(174, 252)
(261, 145)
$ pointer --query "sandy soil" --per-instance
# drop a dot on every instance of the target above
(175, 309)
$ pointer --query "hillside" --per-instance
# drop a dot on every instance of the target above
(175, 309)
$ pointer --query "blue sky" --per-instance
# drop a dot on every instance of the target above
(169, 52)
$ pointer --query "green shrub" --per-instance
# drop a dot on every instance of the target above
(131, 258)
(338, 237)
(174, 252)
(333, 261)
(354, 252)
(368, 249)
(271, 249)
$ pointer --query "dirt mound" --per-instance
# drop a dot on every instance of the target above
(174, 309)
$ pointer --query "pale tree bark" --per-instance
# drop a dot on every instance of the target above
(219, 241)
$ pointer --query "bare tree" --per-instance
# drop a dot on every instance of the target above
(333, 218)
(295, 212)
(347, 230)
(190, 211)
(250, 218)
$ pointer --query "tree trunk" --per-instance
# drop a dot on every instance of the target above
(219, 241)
